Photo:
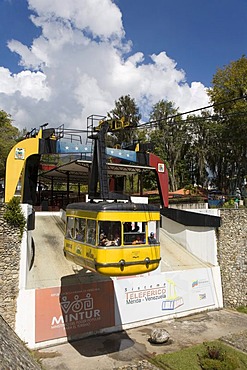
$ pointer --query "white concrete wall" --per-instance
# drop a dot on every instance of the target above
(194, 290)
(198, 240)
(25, 317)
(139, 300)
(187, 206)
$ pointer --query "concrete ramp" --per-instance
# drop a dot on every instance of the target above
(175, 257)
(49, 262)
(50, 265)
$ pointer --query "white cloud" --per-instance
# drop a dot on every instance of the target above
(29, 84)
(78, 67)
(101, 17)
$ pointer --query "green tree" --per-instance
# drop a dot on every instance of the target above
(198, 130)
(125, 108)
(169, 137)
(8, 137)
(229, 88)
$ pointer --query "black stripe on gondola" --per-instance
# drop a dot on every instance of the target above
(114, 206)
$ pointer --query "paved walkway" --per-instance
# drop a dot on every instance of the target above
(131, 349)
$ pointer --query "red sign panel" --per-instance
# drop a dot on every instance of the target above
(73, 309)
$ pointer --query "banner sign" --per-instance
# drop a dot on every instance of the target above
(73, 309)
(143, 298)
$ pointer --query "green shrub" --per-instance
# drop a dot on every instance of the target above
(13, 214)
(215, 358)
(242, 309)
(213, 355)
(186, 199)
(229, 204)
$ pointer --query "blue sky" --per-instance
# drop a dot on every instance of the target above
(14, 24)
(75, 58)
(200, 35)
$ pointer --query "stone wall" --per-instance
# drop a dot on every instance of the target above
(9, 269)
(232, 256)
(13, 353)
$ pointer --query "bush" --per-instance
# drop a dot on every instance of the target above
(229, 204)
(242, 309)
(186, 199)
(215, 358)
(213, 355)
(14, 215)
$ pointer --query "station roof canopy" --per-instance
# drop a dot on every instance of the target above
(77, 171)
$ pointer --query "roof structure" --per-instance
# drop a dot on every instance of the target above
(77, 171)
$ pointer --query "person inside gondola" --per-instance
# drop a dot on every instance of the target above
(117, 240)
(104, 241)
(79, 235)
(152, 239)
(137, 240)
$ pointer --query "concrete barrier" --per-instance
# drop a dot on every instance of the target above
(78, 304)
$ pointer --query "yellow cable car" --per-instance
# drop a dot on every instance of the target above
(113, 238)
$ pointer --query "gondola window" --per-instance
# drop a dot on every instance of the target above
(110, 232)
(134, 233)
(70, 228)
(153, 228)
(80, 227)
(91, 232)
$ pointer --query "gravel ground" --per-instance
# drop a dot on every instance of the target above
(238, 340)
(141, 365)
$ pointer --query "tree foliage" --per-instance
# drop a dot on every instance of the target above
(210, 146)
(14, 215)
(126, 108)
(228, 92)
(198, 148)
(8, 137)
(169, 137)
